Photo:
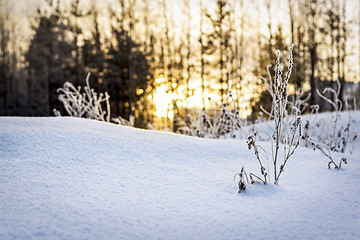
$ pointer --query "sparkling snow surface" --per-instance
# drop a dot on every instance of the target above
(68, 178)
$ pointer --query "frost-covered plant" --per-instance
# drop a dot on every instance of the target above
(226, 121)
(307, 127)
(198, 124)
(251, 142)
(337, 104)
(298, 101)
(325, 150)
(288, 137)
(222, 121)
(122, 121)
(270, 88)
(349, 133)
(331, 132)
(242, 177)
(87, 104)
(290, 143)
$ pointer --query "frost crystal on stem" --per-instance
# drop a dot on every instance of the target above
(282, 135)
(280, 102)
(87, 104)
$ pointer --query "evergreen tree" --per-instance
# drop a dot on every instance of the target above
(312, 44)
(50, 60)
(335, 33)
(93, 55)
(5, 77)
(127, 71)
(12, 100)
(76, 14)
(219, 43)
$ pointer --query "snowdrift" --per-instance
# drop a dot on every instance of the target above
(69, 178)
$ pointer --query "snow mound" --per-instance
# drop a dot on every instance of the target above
(69, 178)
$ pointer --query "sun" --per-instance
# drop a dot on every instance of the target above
(162, 99)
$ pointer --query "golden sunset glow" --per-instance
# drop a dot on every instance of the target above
(162, 101)
(165, 61)
(163, 98)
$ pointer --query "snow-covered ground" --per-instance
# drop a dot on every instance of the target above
(68, 178)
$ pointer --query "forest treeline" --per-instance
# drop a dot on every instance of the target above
(209, 49)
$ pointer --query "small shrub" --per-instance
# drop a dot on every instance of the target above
(221, 122)
(330, 132)
(87, 103)
(242, 177)
(289, 138)
(325, 150)
(251, 141)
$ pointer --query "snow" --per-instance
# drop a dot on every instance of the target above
(70, 178)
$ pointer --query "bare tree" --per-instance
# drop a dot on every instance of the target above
(188, 48)
(77, 13)
(343, 32)
(270, 40)
(5, 81)
(202, 54)
(219, 41)
(312, 44)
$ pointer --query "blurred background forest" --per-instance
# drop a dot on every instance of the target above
(159, 60)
